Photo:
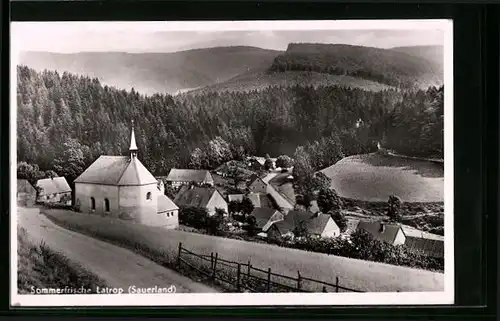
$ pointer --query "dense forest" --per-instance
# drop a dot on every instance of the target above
(66, 121)
(388, 67)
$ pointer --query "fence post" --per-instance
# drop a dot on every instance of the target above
(238, 286)
(298, 280)
(215, 266)
(179, 255)
(269, 279)
(211, 260)
(324, 289)
(249, 267)
(336, 284)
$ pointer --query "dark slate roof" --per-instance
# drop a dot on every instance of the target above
(430, 247)
(194, 196)
(388, 234)
(165, 204)
(54, 185)
(317, 224)
(255, 178)
(23, 186)
(187, 175)
(117, 170)
(262, 215)
(294, 218)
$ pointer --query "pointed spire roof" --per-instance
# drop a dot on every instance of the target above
(133, 145)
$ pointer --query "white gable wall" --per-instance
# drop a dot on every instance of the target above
(331, 229)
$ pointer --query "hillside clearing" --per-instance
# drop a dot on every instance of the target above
(153, 241)
(374, 177)
(262, 79)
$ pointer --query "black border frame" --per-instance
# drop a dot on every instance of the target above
(476, 136)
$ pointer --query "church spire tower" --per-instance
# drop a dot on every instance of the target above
(133, 145)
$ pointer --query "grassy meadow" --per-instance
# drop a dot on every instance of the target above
(374, 177)
(161, 246)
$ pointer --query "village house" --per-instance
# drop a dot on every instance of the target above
(54, 190)
(264, 217)
(26, 193)
(208, 198)
(179, 177)
(257, 199)
(388, 233)
(257, 185)
(317, 225)
(430, 244)
(121, 186)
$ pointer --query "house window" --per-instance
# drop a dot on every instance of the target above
(148, 196)
(106, 205)
(92, 203)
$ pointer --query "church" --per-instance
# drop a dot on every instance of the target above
(122, 187)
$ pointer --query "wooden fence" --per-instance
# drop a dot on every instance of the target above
(245, 277)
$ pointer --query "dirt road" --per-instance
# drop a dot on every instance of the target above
(117, 266)
(282, 202)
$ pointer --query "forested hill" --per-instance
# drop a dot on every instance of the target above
(151, 73)
(386, 66)
(66, 121)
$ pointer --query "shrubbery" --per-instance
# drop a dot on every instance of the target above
(363, 246)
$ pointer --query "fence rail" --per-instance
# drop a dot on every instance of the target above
(241, 276)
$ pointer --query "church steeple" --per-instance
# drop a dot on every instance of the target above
(133, 145)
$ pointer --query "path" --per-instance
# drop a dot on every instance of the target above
(116, 266)
(282, 202)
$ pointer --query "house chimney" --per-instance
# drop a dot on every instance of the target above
(382, 228)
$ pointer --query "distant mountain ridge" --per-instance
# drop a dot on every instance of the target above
(387, 66)
(368, 68)
(244, 68)
(151, 73)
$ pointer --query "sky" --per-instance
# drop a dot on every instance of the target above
(67, 37)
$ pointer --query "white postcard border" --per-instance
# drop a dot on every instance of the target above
(248, 299)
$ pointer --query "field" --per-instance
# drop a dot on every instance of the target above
(374, 177)
(161, 245)
(40, 267)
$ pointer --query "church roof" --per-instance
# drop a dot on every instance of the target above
(117, 170)
(187, 175)
(165, 204)
(53, 185)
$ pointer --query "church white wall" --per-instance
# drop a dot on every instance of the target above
(135, 206)
(84, 192)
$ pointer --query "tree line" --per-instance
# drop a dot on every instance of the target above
(66, 121)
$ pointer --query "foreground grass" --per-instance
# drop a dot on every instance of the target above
(41, 268)
(161, 246)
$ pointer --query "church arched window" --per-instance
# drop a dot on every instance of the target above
(92, 203)
(106, 205)
(148, 196)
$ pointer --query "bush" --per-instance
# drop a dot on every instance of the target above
(329, 201)
(193, 216)
(394, 208)
(364, 247)
(284, 162)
